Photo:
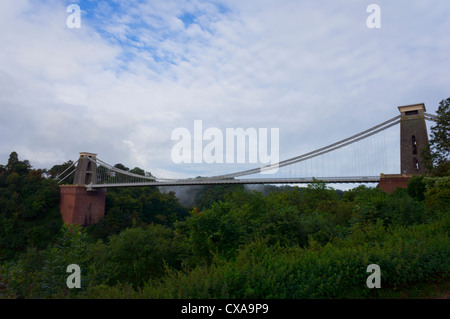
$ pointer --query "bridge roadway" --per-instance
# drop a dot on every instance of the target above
(212, 181)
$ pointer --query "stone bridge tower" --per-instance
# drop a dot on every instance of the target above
(78, 205)
(86, 172)
(413, 138)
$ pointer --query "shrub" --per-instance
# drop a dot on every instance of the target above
(134, 256)
(405, 255)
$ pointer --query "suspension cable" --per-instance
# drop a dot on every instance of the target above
(57, 176)
(320, 151)
(67, 175)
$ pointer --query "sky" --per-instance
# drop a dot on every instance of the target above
(134, 71)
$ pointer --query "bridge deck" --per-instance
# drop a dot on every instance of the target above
(210, 181)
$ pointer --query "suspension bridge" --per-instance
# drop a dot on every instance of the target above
(83, 201)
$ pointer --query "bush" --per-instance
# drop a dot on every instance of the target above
(134, 256)
(405, 255)
(38, 274)
(416, 188)
(438, 194)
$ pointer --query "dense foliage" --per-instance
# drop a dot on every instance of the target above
(29, 212)
(437, 153)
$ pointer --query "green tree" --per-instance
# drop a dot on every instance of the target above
(315, 193)
(17, 166)
(211, 194)
(138, 171)
(134, 256)
(437, 154)
(437, 196)
(140, 205)
(70, 248)
(122, 167)
(42, 273)
(29, 209)
(12, 162)
(416, 188)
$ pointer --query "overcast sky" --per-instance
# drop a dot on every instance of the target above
(136, 70)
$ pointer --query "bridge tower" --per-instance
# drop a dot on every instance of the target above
(78, 205)
(413, 138)
(86, 171)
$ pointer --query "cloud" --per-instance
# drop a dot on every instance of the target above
(136, 70)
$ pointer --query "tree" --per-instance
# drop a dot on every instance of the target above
(122, 167)
(138, 171)
(29, 208)
(12, 161)
(134, 256)
(416, 188)
(437, 153)
(437, 196)
(16, 166)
